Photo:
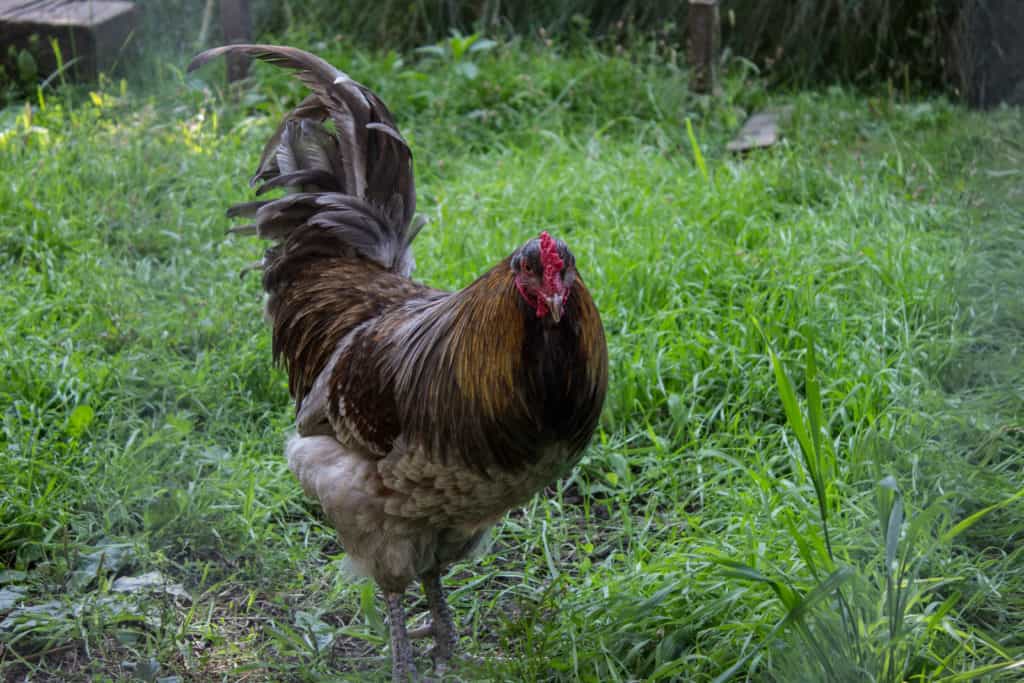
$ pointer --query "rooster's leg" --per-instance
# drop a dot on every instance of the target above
(443, 627)
(402, 667)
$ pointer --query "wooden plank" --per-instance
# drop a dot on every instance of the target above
(62, 12)
(761, 130)
(704, 38)
(91, 32)
(236, 23)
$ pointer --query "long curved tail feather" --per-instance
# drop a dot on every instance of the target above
(352, 188)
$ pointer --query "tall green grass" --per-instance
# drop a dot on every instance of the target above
(810, 462)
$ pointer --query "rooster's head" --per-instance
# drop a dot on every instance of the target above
(545, 271)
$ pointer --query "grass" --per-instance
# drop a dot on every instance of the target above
(810, 463)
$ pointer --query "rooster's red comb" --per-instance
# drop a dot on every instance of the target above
(551, 261)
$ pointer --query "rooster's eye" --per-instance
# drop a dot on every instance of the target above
(527, 269)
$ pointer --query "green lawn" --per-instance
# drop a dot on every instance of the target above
(811, 462)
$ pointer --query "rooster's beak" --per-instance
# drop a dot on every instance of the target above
(555, 303)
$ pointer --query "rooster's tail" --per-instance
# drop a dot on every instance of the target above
(351, 188)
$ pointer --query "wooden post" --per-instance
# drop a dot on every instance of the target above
(705, 27)
(236, 23)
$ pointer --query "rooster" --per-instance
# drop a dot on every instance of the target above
(422, 416)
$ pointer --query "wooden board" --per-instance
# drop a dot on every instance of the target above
(760, 130)
(92, 32)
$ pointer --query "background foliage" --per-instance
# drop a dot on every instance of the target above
(862, 41)
(920, 42)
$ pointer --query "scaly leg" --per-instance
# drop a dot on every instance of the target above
(403, 669)
(443, 627)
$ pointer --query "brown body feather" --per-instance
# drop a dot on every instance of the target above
(422, 415)
(471, 375)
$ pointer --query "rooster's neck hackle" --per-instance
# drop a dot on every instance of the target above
(524, 370)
